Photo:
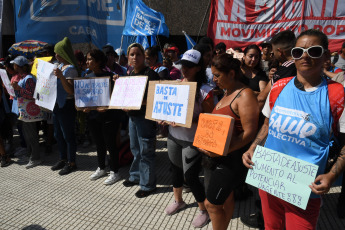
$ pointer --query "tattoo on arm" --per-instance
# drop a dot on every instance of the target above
(339, 165)
(261, 137)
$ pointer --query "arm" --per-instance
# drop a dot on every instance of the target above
(259, 140)
(249, 113)
(262, 85)
(329, 74)
(263, 95)
(323, 182)
(67, 84)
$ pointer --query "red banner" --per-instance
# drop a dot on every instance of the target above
(239, 23)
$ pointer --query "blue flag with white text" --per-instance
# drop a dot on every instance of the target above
(144, 21)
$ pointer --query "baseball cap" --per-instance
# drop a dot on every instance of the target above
(173, 48)
(20, 60)
(190, 58)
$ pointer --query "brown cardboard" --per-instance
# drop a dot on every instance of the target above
(191, 101)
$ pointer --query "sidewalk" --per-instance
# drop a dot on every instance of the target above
(39, 198)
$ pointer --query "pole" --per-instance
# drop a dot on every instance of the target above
(209, 5)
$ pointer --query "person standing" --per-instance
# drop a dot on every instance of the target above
(64, 112)
(142, 132)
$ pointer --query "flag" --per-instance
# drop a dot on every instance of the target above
(190, 42)
(144, 21)
(143, 41)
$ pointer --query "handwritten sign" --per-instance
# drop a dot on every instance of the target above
(46, 85)
(7, 83)
(214, 133)
(171, 101)
(283, 176)
(128, 93)
(92, 92)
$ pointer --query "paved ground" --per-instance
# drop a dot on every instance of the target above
(39, 198)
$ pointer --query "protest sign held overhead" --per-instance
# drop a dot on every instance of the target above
(6, 82)
(243, 22)
(214, 133)
(34, 65)
(171, 101)
(283, 176)
(128, 93)
(46, 85)
(92, 93)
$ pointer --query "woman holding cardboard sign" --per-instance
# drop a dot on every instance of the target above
(103, 124)
(142, 132)
(185, 158)
(225, 173)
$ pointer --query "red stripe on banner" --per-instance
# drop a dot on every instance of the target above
(239, 23)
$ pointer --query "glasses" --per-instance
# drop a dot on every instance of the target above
(313, 52)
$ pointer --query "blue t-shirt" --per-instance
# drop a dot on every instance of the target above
(300, 125)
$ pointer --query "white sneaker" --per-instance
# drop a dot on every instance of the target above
(98, 174)
(32, 164)
(113, 178)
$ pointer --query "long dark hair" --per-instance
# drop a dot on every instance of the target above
(99, 57)
(258, 66)
(201, 77)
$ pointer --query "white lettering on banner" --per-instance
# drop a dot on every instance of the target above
(101, 3)
(145, 22)
(74, 30)
(221, 8)
(238, 12)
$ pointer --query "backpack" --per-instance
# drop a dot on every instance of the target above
(336, 101)
(125, 154)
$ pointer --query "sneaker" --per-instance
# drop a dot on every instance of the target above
(5, 161)
(67, 169)
(142, 193)
(201, 220)
(32, 164)
(253, 220)
(113, 178)
(58, 165)
(98, 174)
(175, 207)
(128, 183)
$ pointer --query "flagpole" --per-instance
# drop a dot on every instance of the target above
(209, 4)
(121, 48)
(185, 34)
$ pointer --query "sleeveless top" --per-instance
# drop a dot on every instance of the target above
(227, 110)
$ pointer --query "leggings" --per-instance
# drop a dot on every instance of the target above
(186, 163)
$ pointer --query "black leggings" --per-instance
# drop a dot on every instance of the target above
(186, 164)
(104, 134)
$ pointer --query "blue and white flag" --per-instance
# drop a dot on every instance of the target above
(143, 41)
(144, 21)
(99, 22)
(190, 42)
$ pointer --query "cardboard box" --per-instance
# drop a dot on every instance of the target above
(214, 133)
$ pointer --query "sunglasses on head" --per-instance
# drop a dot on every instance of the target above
(313, 52)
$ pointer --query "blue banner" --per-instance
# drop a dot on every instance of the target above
(96, 21)
(143, 41)
(144, 21)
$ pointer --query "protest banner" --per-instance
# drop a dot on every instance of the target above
(34, 65)
(92, 93)
(6, 82)
(128, 93)
(243, 22)
(171, 101)
(283, 176)
(214, 133)
(46, 85)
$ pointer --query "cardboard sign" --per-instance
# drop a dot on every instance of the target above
(214, 133)
(92, 92)
(171, 101)
(6, 82)
(128, 93)
(46, 86)
(34, 65)
(283, 176)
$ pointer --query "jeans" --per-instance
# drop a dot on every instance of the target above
(64, 130)
(142, 135)
(31, 138)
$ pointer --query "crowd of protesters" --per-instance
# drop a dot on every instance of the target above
(253, 87)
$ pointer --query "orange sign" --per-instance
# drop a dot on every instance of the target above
(214, 133)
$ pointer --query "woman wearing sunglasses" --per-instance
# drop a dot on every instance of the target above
(302, 111)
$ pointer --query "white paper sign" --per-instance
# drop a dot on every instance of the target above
(92, 92)
(7, 82)
(170, 103)
(128, 92)
(46, 85)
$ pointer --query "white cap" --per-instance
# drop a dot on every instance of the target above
(190, 58)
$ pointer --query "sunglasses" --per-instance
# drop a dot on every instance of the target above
(313, 52)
